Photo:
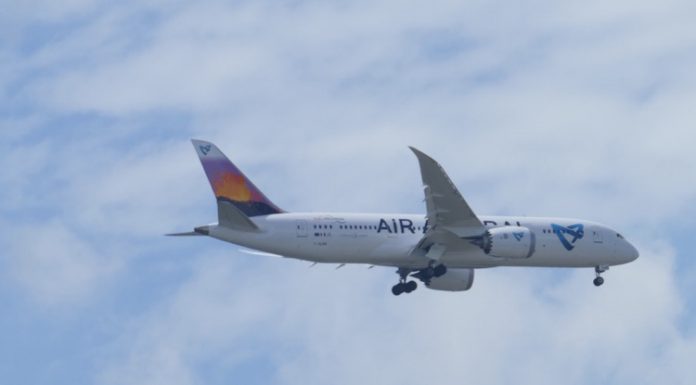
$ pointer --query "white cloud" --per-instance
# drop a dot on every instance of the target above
(25, 166)
(208, 318)
(139, 191)
(55, 266)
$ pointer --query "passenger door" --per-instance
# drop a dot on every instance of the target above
(597, 237)
(301, 229)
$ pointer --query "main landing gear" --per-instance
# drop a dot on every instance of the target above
(424, 275)
(599, 281)
(403, 286)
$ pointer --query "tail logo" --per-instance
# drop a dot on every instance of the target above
(205, 149)
(569, 235)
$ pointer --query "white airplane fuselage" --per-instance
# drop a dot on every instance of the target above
(359, 238)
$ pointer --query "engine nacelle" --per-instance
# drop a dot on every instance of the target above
(509, 242)
(453, 280)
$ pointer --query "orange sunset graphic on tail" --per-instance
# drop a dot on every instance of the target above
(229, 183)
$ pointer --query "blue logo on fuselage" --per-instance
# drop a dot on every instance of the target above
(568, 235)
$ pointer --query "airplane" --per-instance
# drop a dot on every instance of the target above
(441, 249)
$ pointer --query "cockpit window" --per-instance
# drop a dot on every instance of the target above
(619, 236)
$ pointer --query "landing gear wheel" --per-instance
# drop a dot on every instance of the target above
(403, 286)
(428, 272)
(410, 286)
(439, 270)
(598, 281)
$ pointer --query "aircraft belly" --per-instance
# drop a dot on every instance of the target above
(541, 258)
(347, 248)
(552, 257)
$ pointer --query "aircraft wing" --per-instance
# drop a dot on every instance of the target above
(449, 216)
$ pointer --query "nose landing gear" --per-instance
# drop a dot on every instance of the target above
(599, 281)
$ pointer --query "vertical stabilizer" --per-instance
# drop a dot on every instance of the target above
(230, 184)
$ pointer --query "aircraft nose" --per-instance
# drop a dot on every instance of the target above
(631, 252)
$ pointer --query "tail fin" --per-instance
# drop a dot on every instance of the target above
(230, 185)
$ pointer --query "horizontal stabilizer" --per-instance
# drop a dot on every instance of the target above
(188, 234)
(231, 217)
(200, 230)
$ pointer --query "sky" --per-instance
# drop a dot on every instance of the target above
(568, 109)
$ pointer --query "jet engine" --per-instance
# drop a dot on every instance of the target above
(509, 242)
(453, 280)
